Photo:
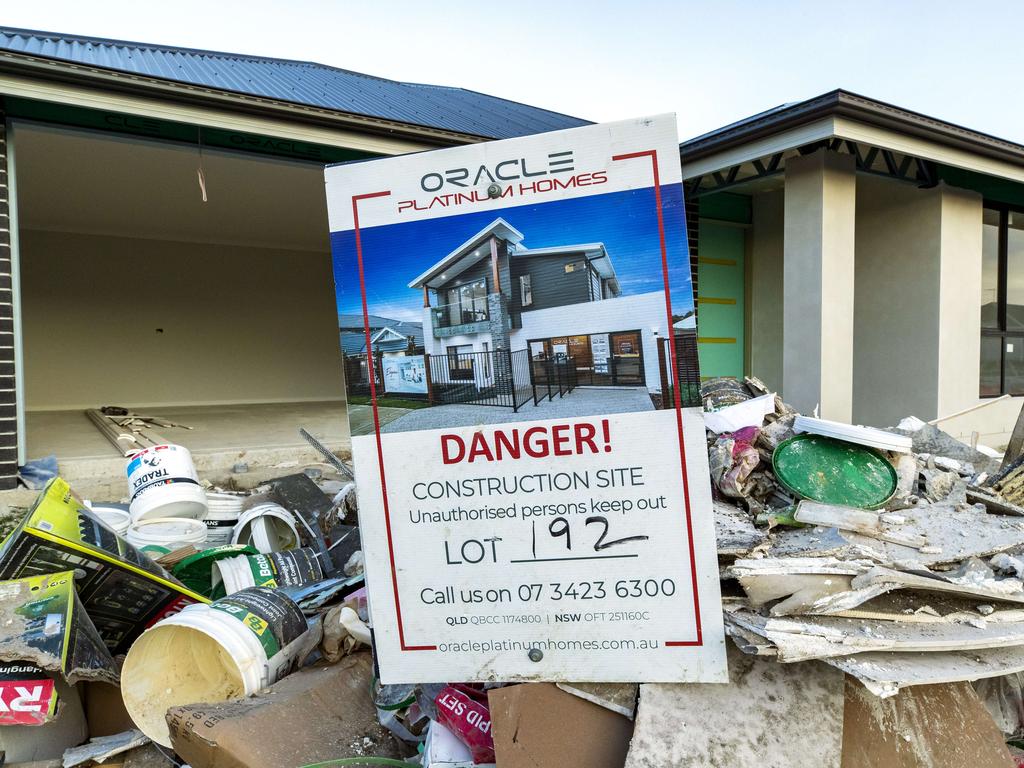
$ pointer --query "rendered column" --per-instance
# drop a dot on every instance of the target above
(818, 284)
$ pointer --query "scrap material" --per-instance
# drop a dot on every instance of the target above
(766, 715)
(852, 631)
(130, 432)
(931, 726)
(924, 589)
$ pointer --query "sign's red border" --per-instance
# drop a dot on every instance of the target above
(653, 155)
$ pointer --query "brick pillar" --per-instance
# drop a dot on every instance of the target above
(8, 396)
(498, 326)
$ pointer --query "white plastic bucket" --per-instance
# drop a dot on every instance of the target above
(115, 518)
(221, 517)
(228, 649)
(268, 527)
(162, 482)
(166, 534)
(278, 569)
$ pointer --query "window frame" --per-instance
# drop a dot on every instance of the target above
(526, 290)
(1002, 270)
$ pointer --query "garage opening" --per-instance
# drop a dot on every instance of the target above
(217, 314)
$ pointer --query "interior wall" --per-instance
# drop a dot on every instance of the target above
(144, 323)
(765, 274)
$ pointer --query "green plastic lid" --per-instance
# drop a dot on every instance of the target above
(834, 472)
(196, 571)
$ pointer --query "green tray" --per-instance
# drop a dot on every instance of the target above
(834, 472)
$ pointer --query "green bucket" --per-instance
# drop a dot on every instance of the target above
(834, 472)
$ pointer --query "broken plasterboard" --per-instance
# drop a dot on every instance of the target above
(746, 722)
(735, 533)
(940, 533)
(884, 674)
(829, 586)
(817, 637)
(861, 521)
(618, 697)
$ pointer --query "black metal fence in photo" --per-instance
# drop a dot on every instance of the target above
(495, 377)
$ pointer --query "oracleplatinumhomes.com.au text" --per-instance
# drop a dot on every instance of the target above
(487, 646)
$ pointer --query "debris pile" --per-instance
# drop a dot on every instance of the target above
(872, 586)
(895, 556)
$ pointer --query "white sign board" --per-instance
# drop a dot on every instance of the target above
(600, 352)
(540, 544)
(404, 375)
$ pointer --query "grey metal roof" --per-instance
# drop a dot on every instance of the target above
(841, 103)
(298, 82)
(353, 337)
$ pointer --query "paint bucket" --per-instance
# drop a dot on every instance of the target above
(162, 481)
(278, 569)
(197, 571)
(161, 535)
(268, 527)
(115, 516)
(228, 649)
(221, 517)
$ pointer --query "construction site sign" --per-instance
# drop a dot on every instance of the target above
(533, 488)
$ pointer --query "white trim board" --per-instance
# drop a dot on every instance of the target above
(94, 98)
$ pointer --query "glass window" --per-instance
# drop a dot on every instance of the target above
(991, 366)
(1013, 362)
(1002, 302)
(468, 303)
(1015, 271)
(990, 269)
(525, 290)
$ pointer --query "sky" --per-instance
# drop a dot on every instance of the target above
(710, 62)
(394, 255)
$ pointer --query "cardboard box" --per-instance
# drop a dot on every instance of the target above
(47, 638)
(123, 591)
(536, 725)
(931, 726)
(314, 715)
(104, 709)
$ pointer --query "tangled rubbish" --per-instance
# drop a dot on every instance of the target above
(872, 590)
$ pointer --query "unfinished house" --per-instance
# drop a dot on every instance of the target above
(863, 258)
(168, 240)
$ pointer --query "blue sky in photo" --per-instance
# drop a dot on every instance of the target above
(626, 222)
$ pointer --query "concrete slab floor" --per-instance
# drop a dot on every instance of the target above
(263, 436)
(215, 428)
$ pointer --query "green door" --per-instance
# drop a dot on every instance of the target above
(720, 310)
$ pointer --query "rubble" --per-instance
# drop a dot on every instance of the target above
(920, 588)
(891, 559)
(766, 715)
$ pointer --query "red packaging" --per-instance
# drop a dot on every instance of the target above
(468, 719)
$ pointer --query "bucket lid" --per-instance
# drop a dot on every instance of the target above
(168, 527)
(197, 572)
(869, 436)
(834, 472)
(112, 515)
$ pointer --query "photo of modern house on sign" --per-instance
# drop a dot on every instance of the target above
(532, 312)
